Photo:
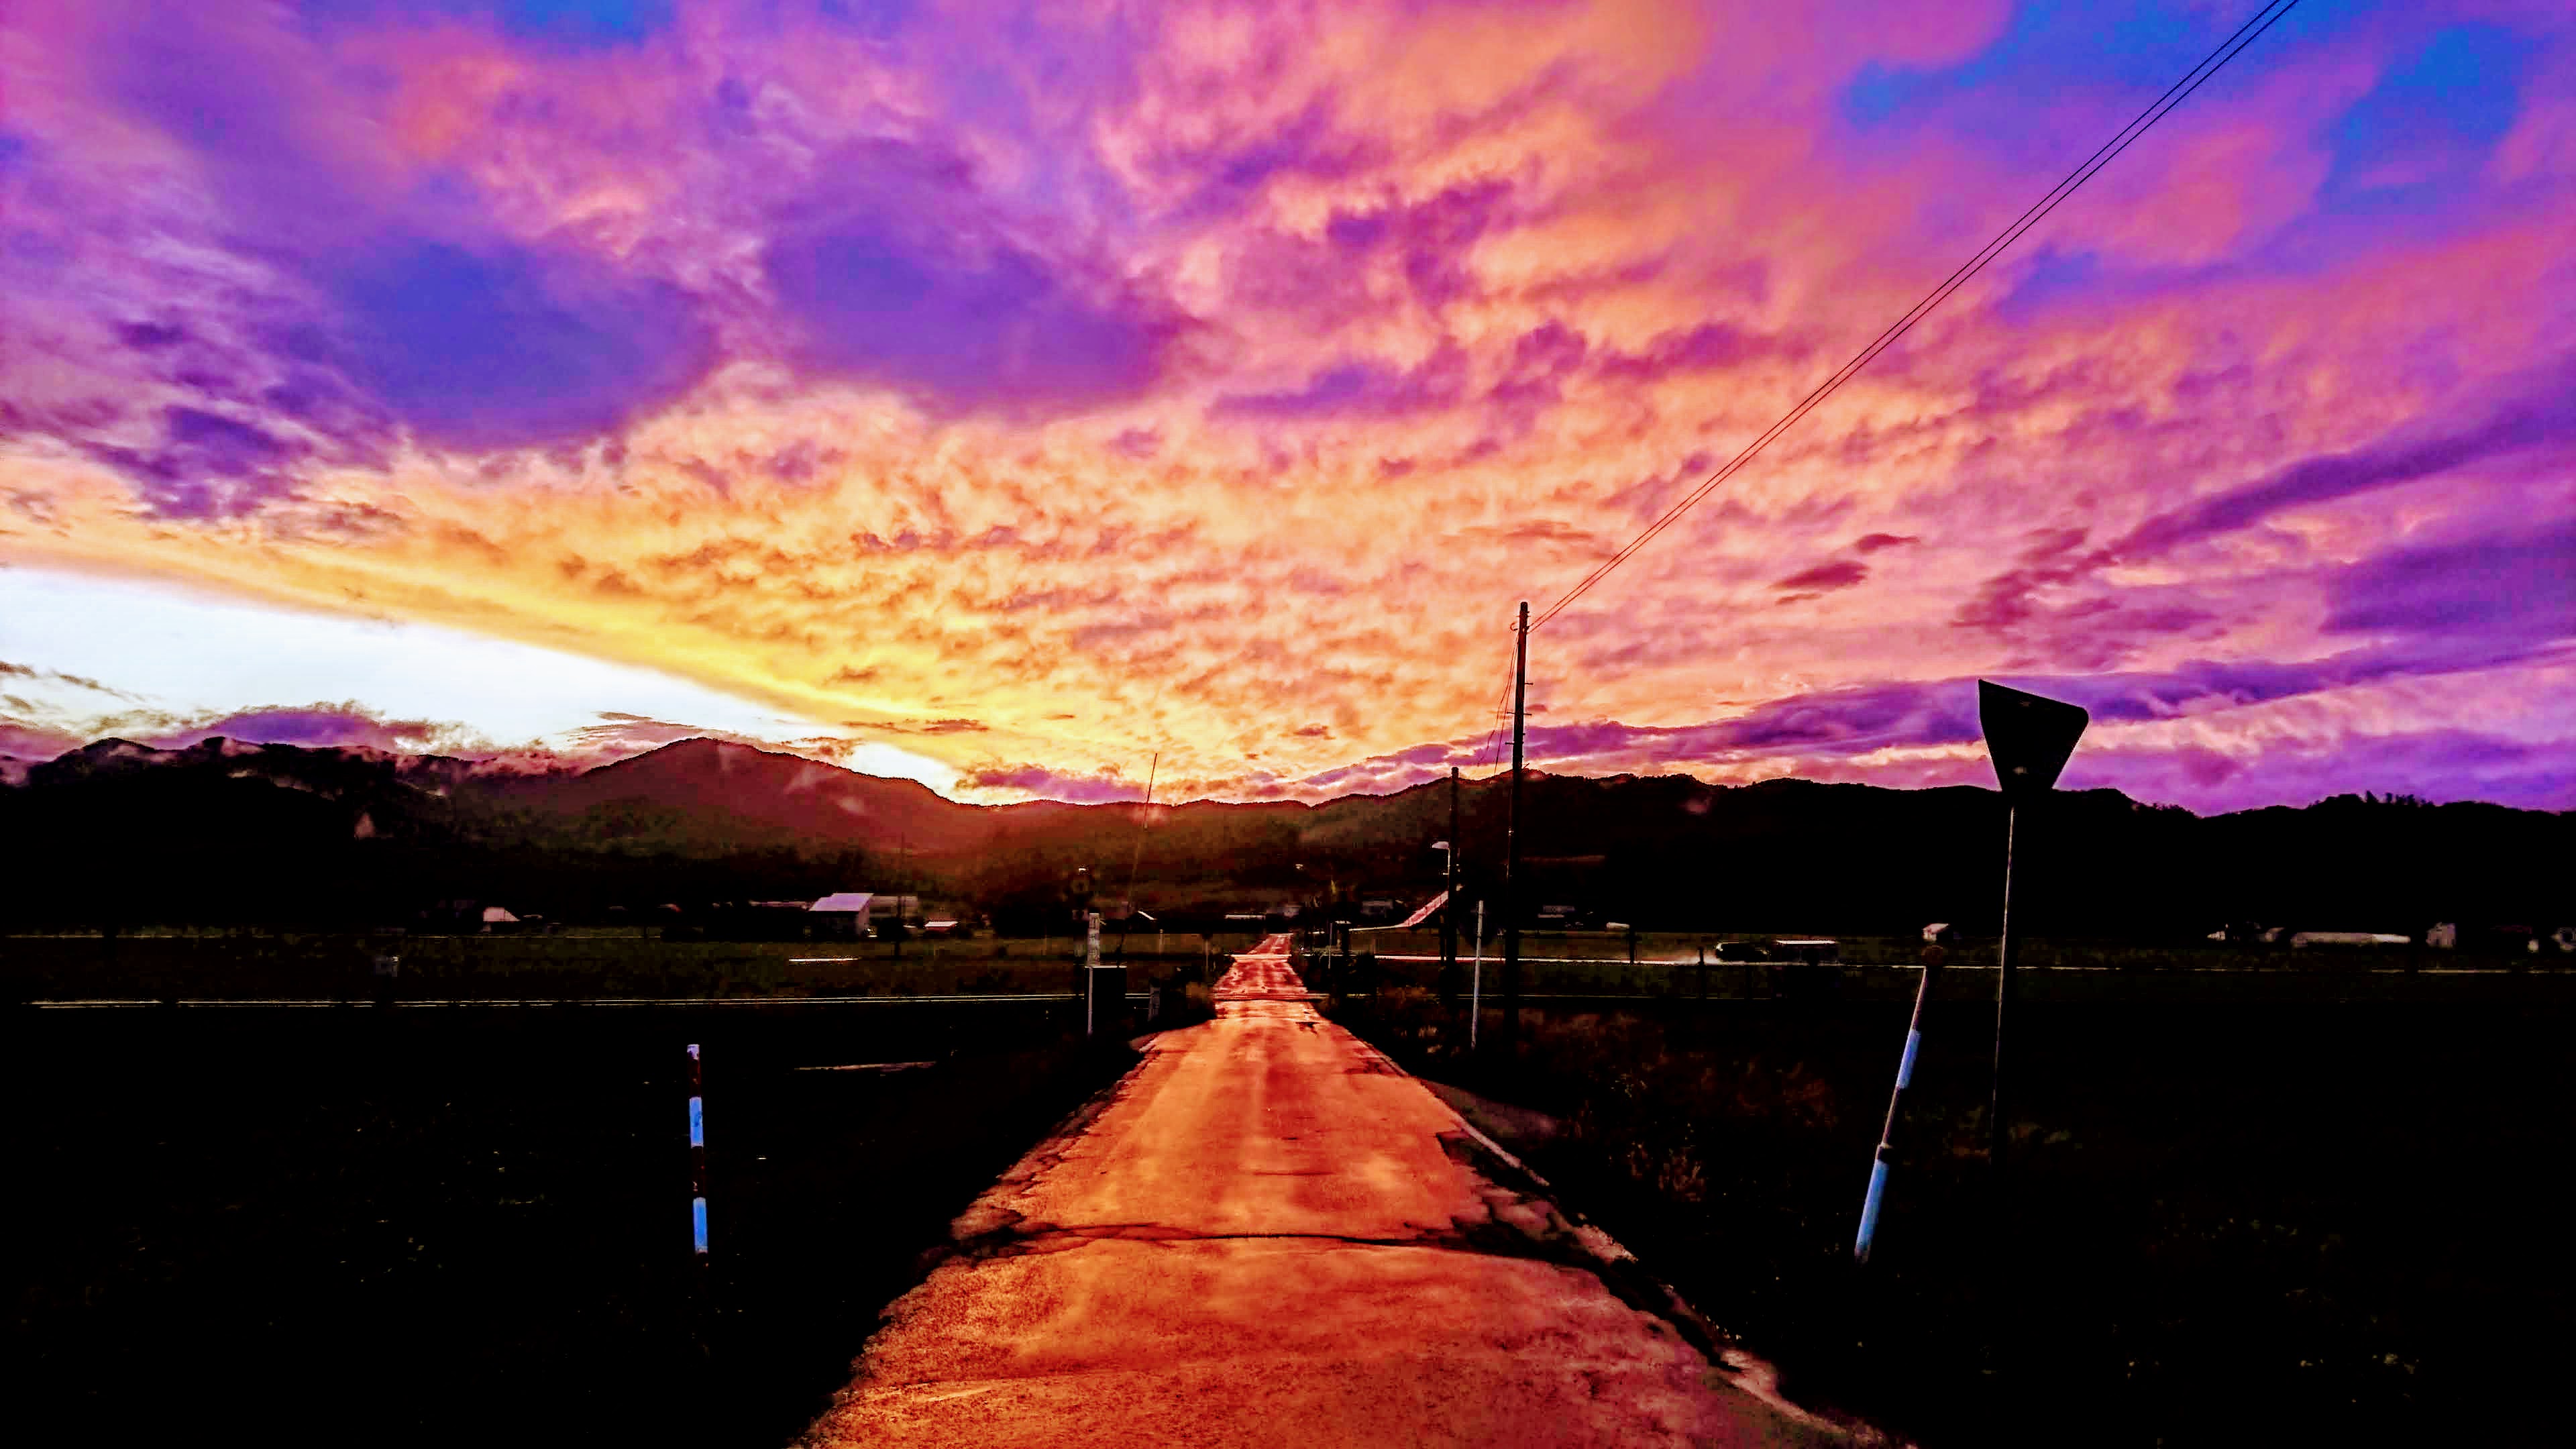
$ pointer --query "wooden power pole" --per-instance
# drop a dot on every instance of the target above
(1512, 838)
(1449, 900)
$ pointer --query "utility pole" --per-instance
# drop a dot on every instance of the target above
(1512, 838)
(903, 852)
(1144, 822)
(1449, 905)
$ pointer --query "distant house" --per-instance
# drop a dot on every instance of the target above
(842, 915)
(1939, 933)
(849, 915)
(2444, 936)
(498, 921)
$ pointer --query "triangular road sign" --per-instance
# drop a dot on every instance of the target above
(2027, 737)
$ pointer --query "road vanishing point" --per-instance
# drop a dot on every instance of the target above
(1268, 1234)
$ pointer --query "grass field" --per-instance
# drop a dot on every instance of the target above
(575, 965)
(473, 1227)
(2311, 1221)
(1887, 968)
(579, 965)
(1665, 948)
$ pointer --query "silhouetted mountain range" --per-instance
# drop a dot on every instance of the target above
(222, 831)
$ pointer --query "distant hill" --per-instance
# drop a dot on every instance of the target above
(224, 831)
(713, 790)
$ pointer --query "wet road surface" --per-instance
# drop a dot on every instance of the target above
(1269, 1235)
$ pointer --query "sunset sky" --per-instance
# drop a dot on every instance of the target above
(1006, 395)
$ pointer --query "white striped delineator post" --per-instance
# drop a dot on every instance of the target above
(1090, 970)
(1895, 1107)
(1476, 988)
(697, 1156)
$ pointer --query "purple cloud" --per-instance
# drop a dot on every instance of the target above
(2438, 765)
(205, 466)
(1430, 237)
(1360, 389)
(2541, 412)
(2048, 558)
(502, 346)
(2501, 587)
(896, 278)
(1103, 787)
(1824, 578)
(396, 298)
(580, 24)
(311, 725)
(1703, 348)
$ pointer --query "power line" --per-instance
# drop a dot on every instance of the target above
(2180, 91)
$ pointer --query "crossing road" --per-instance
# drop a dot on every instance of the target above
(1269, 1235)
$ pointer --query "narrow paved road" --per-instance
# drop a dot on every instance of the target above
(1272, 1236)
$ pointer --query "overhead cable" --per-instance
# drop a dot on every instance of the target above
(2109, 151)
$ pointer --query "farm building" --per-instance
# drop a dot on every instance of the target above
(842, 915)
(853, 915)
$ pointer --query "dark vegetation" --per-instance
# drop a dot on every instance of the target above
(397, 1228)
(250, 965)
(2234, 1215)
(280, 836)
(2268, 1224)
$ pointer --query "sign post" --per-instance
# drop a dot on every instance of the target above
(2029, 740)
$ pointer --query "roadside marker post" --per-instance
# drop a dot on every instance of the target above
(1104, 988)
(1476, 986)
(701, 1295)
(1870, 1205)
(2028, 739)
(697, 1156)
